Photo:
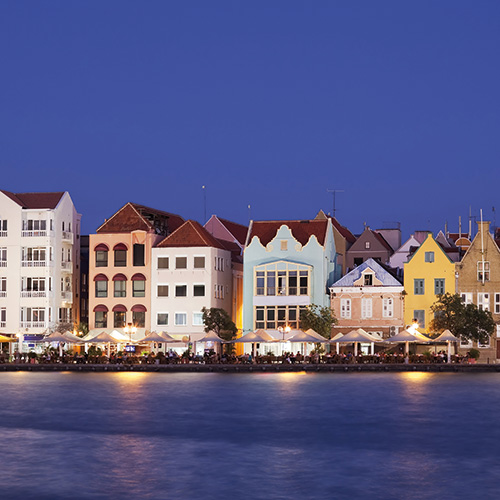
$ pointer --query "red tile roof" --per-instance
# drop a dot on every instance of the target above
(301, 230)
(191, 234)
(343, 230)
(239, 231)
(135, 217)
(35, 200)
(383, 241)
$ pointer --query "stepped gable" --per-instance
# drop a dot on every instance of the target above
(302, 230)
(239, 231)
(35, 200)
(191, 234)
(135, 217)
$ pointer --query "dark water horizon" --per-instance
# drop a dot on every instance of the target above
(261, 436)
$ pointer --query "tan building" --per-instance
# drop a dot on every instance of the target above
(478, 282)
(120, 268)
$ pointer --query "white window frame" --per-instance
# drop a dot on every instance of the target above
(162, 324)
(483, 301)
(177, 316)
(181, 296)
(162, 296)
(466, 297)
(181, 257)
(366, 308)
(345, 308)
(496, 310)
(158, 261)
(388, 307)
(198, 315)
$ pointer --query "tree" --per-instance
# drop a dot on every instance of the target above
(219, 321)
(465, 321)
(320, 318)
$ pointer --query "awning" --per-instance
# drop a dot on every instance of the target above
(120, 246)
(101, 248)
(119, 277)
(119, 308)
(100, 277)
(101, 308)
(138, 277)
(139, 308)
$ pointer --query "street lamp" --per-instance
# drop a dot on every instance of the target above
(130, 329)
(284, 330)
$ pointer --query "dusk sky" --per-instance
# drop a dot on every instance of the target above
(266, 103)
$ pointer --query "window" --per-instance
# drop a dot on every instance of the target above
(181, 290)
(368, 280)
(180, 319)
(439, 286)
(101, 288)
(162, 290)
(3, 257)
(284, 245)
(120, 258)
(162, 262)
(119, 288)
(358, 261)
(199, 262)
(484, 345)
(366, 308)
(345, 308)
(199, 290)
(33, 317)
(483, 271)
(162, 319)
(138, 288)
(3, 317)
(3, 227)
(138, 254)
(181, 262)
(388, 308)
(3, 286)
(197, 319)
(466, 298)
(219, 264)
(429, 256)
(101, 319)
(483, 301)
(101, 258)
(419, 315)
(37, 254)
(139, 319)
(277, 316)
(497, 303)
(282, 279)
(367, 245)
(119, 319)
(419, 286)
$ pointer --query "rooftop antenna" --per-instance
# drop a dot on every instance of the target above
(249, 213)
(204, 204)
(482, 247)
(334, 191)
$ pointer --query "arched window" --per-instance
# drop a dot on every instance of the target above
(138, 285)
(119, 314)
(101, 316)
(120, 250)
(119, 285)
(101, 255)
(101, 285)
(139, 315)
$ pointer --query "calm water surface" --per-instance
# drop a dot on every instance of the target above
(260, 436)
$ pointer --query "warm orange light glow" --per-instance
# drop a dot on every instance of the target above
(416, 377)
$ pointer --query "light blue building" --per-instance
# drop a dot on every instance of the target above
(287, 265)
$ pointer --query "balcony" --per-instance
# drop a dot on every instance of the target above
(67, 266)
(3, 234)
(36, 263)
(3, 263)
(25, 294)
(37, 233)
(3, 324)
(67, 236)
(33, 324)
(67, 296)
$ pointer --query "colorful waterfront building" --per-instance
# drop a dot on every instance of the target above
(39, 256)
(428, 273)
(287, 266)
(120, 256)
(191, 269)
(369, 244)
(478, 282)
(368, 297)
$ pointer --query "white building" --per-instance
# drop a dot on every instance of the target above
(190, 270)
(39, 253)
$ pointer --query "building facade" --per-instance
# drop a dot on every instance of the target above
(39, 255)
(368, 297)
(287, 266)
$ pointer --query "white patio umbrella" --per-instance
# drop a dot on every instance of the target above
(102, 338)
(408, 337)
(355, 337)
(58, 337)
(446, 337)
(259, 336)
(308, 337)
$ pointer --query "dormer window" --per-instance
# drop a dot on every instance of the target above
(368, 280)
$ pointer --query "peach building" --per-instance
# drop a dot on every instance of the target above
(120, 268)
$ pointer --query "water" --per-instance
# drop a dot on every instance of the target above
(259, 436)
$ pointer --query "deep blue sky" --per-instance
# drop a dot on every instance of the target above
(266, 103)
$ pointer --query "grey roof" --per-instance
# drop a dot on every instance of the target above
(381, 274)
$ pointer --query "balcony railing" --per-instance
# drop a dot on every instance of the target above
(67, 236)
(3, 263)
(33, 294)
(67, 265)
(36, 233)
(3, 324)
(67, 296)
(3, 294)
(3, 234)
(36, 263)
(33, 324)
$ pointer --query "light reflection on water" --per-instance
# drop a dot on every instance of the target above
(262, 436)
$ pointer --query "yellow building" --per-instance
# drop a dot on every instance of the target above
(428, 273)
